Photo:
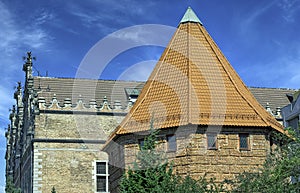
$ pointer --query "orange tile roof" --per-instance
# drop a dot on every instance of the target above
(193, 83)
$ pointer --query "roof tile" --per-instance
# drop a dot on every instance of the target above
(193, 83)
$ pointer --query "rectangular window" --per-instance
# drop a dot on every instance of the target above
(101, 184)
(244, 141)
(101, 168)
(211, 141)
(171, 140)
(101, 176)
(141, 143)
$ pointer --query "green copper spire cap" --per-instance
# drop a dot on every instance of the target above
(190, 16)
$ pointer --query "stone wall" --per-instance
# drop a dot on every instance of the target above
(75, 126)
(193, 157)
(68, 167)
(65, 150)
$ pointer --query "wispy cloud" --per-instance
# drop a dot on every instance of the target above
(250, 17)
(289, 9)
(42, 16)
(139, 71)
(113, 13)
(13, 35)
(16, 35)
(280, 72)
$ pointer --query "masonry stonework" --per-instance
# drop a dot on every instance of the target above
(57, 132)
(225, 162)
(69, 164)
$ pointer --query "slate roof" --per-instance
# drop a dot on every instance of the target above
(193, 83)
(63, 88)
(275, 97)
(85, 89)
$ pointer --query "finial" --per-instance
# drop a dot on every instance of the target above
(29, 58)
(269, 109)
(104, 99)
(19, 86)
(278, 111)
(48, 88)
(190, 16)
(117, 105)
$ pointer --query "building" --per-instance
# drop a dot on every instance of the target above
(57, 129)
(59, 125)
(291, 112)
(208, 120)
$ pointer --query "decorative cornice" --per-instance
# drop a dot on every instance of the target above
(80, 106)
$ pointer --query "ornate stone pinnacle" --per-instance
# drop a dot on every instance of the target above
(29, 58)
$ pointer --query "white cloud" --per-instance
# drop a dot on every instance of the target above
(2, 133)
(43, 16)
(289, 8)
(139, 71)
(113, 13)
(254, 15)
(13, 35)
(281, 72)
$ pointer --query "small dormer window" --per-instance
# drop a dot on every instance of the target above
(132, 94)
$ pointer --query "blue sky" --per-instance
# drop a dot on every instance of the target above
(260, 38)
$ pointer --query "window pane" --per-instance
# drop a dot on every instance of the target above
(101, 168)
(212, 141)
(141, 143)
(244, 141)
(101, 184)
(172, 146)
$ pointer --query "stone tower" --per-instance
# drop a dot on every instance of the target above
(209, 121)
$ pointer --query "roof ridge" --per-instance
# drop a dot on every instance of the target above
(189, 77)
(213, 95)
(217, 52)
(88, 79)
(151, 82)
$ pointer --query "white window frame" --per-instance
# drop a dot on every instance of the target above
(106, 175)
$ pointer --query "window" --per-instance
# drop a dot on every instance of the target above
(171, 140)
(211, 141)
(141, 143)
(132, 93)
(244, 141)
(101, 176)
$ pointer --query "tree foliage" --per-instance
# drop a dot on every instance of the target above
(281, 171)
(152, 173)
(10, 187)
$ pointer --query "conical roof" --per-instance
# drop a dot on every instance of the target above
(193, 83)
